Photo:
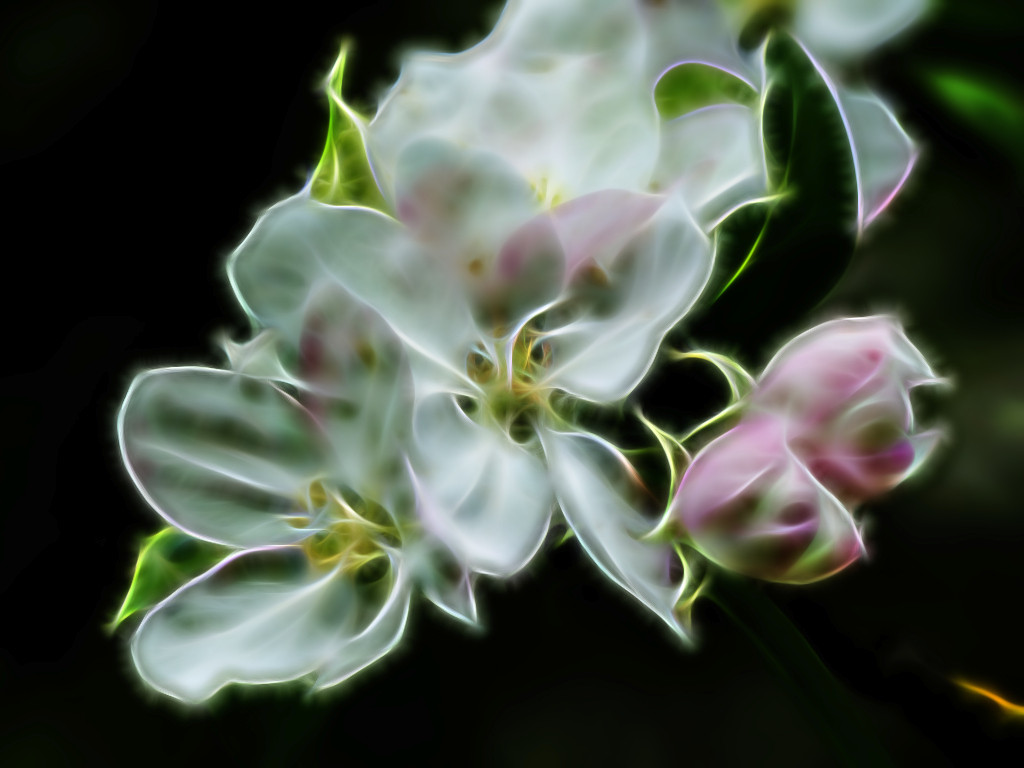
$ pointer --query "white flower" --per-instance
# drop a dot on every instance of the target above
(312, 489)
(564, 92)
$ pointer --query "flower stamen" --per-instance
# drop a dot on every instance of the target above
(356, 531)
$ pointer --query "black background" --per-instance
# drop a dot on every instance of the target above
(139, 143)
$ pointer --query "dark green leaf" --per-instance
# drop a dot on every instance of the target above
(777, 260)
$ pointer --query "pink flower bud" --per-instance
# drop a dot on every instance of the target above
(843, 388)
(862, 453)
(750, 504)
(820, 372)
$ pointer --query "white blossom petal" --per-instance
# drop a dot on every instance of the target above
(475, 219)
(463, 200)
(715, 157)
(372, 257)
(595, 228)
(445, 581)
(350, 373)
(553, 90)
(486, 497)
(845, 28)
(591, 481)
(693, 30)
(220, 455)
(883, 153)
(273, 272)
(454, 597)
(368, 643)
(266, 616)
(651, 285)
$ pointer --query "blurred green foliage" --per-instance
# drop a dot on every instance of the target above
(986, 104)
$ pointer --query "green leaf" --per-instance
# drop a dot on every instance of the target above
(693, 85)
(167, 560)
(739, 243)
(778, 259)
(343, 176)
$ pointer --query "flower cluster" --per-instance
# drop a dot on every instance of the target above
(512, 235)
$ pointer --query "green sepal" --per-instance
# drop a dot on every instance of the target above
(777, 259)
(343, 176)
(167, 560)
(693, 85)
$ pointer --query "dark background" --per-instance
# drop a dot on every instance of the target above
(139, 142)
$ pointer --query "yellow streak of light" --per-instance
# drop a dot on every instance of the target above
(1007, 706)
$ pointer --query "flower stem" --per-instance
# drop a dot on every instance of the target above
(821, 697)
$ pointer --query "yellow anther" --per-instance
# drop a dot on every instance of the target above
(547, 193)
(355, 531)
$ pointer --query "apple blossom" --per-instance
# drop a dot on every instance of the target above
(311, 489)
(317, 585)
(537, 236)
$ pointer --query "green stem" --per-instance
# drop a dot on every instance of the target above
(822, 698)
